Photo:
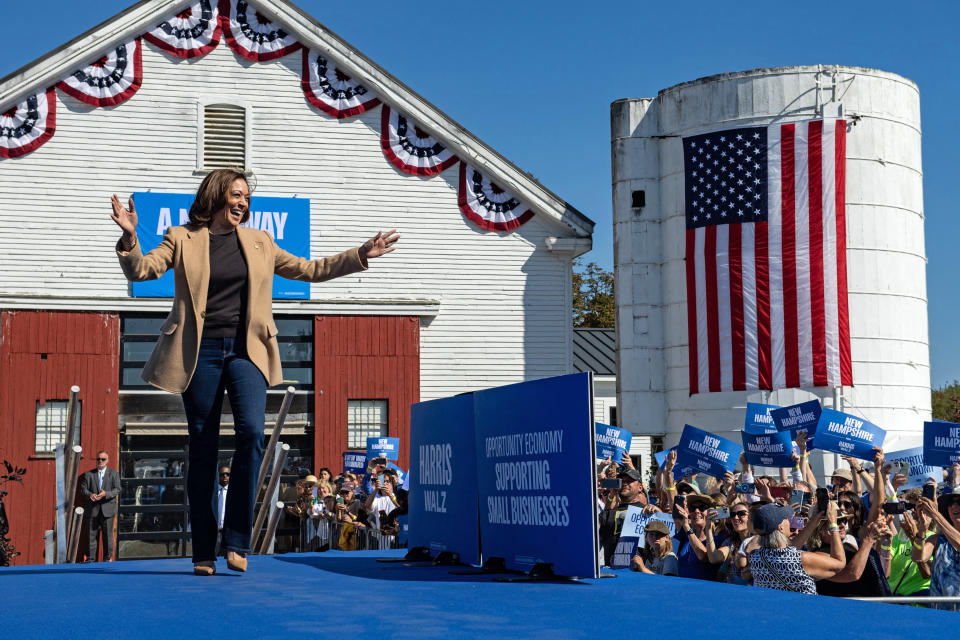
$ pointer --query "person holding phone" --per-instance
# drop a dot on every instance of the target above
(776, 564)
(943, 551)
(382, 499)
(736, 530)
(631, 493)
(696, 539)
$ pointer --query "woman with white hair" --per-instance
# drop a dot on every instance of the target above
(776, 564)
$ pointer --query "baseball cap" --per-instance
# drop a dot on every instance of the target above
(768, 517)
(633, 474)
(842, 473)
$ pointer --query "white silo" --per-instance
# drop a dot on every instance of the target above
(886, 261)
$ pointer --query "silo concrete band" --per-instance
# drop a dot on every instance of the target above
(886, 263)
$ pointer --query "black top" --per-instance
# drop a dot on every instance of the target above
(873, 581)
(226, 310)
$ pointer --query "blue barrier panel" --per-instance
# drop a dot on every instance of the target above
(287, 220)
(443, 478)
(537, 475)
(941, 443)
(612, 442)
(847, 435)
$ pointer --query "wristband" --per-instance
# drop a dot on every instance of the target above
(669, 488)
(833, 528)
(886, 547)
(917, 546)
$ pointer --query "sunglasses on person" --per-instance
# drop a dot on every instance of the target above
(102, 459)
(845, 504)
(225, 473)
(739, 514)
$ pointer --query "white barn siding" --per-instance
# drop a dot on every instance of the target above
(504, 299)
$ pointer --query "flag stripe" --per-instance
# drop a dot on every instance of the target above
(764, 308)
(723, 305)
(831, 321)
(846, 365)
(692, 311)
(703, 360)
(713, 328)
(736, 306)
(788, 204)
(801, 184)
(818, 321)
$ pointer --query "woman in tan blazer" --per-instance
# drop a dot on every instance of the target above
(220, 335)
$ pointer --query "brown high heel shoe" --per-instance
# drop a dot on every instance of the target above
(207, 568)
(236, 562)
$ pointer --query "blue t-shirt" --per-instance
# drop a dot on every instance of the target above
(689, 564)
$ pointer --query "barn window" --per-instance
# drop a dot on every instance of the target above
(51, 425)
(365, 419)
(224, 133)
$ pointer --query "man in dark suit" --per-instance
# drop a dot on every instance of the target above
(100, 487)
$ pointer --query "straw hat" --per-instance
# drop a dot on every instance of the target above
(310, 481)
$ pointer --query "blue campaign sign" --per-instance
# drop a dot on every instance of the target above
(768, 449)
(941, 443)
(757, 418)
(678, 471)
(623, 553)
(537, 474)
(707, 453)
(443, 478)
(847, 435)
(354, 461)
(798, 417)
(612, 442)
(920, 472)
(388, 448)
(287, 220)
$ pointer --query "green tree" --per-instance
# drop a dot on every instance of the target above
(592, 296)
(946, 402)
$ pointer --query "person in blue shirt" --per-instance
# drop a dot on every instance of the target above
(696, 540)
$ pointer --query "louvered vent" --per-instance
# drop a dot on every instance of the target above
(224, 136)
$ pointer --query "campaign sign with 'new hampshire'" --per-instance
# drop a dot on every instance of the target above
(612, 442)
(354, 461)
(847, 435)
(443, 478)
(388, 448)
(768, 449)
(941, 443)
(536, 473)
(798, 417)
(920, 472)
(707, 453)
(287, 220)
(757, 418)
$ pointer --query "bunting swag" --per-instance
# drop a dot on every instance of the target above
(112, 79)
(27, 125)
(253, 35)
(331, 90)
(410, 148)
(487, 205)
(193, 32)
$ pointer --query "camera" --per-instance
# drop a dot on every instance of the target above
(611, 483)
(894, 507)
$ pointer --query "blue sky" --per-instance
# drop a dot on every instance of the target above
(535, 79)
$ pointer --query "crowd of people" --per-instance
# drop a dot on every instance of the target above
(861, 535)
(352, 510)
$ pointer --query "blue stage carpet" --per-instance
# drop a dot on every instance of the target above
(351, 595)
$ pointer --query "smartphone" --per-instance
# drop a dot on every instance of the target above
(679, 501)
(723, 512)
(780, 492)
(745, 487)
(380, 461)
(894, 507)
(930, 492)
(611, 483)
(340, 500)
(900, 466)
(823, 497)
(798, 522)
(800, 497)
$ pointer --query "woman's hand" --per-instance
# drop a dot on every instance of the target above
(126, 220)
(832, 512)
(681, 518)
(801, 442)
(928, 507)
(668, 465)
(854, 464)
(379, 245)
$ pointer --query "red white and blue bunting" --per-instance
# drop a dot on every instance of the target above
(330, 89)
(112, 79)
(410, 148)
(252, 34)
(193, 32)
(487, 205)
(27, 125)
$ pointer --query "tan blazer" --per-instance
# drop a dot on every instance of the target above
(186, 250)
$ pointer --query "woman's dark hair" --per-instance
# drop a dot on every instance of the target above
(212, 196)
(859, 512)
(329, 473)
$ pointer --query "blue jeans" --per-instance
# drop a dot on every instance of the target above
(220, 367)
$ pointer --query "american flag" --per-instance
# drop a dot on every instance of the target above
(766, 257)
